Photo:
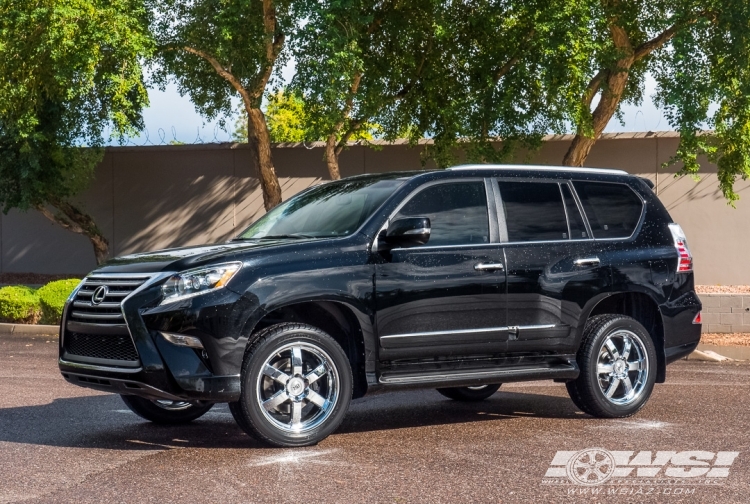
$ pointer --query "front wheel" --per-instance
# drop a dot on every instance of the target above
(296, 386)
(618, 363)
(166, 412)
(469, 394)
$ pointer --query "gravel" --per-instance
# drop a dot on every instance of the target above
(722, 289)
(726, 339)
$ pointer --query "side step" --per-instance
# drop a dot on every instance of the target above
(465, 377)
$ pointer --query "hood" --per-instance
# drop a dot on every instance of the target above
(179, 259)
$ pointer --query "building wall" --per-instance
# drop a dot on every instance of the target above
(147, 198)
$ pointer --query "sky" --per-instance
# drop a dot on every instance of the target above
(173, 117)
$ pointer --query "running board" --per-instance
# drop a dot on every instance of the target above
(561, 372)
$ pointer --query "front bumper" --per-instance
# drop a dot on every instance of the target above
(161, 370)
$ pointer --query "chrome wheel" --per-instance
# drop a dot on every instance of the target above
(298, 387)
(622, 367)
(172, 405)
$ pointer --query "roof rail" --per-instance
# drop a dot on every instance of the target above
(536, 167)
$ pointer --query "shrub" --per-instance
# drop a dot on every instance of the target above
(52, 298)
(19, 305)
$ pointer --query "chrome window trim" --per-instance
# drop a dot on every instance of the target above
(565, 209)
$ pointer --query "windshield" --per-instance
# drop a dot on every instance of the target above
(329, 210)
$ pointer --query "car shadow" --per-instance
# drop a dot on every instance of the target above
(104, 422)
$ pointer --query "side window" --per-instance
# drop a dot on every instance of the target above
(613, 210)
(533, 211)
(457, 212)
(575, 221)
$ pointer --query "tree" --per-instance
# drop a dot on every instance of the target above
(286, 117)
(214, 48)
(69, 70)
(356, 58)
(699, 52)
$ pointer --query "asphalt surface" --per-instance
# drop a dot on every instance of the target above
(61, 443)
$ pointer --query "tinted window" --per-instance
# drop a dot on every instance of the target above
(613, 210)
(533, 211)
(575, 221)
(457, 213)
(333, 209)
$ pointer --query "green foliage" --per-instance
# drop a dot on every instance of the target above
(52, 298)
(69, 70)
(19, 305)
(286, 117)
(231, 31)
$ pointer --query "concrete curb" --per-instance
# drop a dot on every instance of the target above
(729, 351)
(29, 329)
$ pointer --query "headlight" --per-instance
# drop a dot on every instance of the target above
(199, 281)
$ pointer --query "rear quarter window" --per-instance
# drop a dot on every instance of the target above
(613, 210)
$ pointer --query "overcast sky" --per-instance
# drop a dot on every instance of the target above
(172, 116)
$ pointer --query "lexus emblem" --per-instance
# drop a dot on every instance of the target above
(99, 294)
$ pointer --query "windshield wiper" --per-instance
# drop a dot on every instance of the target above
(277, 237)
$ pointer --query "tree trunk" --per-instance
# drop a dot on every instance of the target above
(332, 158)
(76, 220)
(615, 82)
(260, 151)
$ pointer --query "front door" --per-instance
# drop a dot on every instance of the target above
(444, 298)
(551, 263)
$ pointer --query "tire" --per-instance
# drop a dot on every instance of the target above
(166, 412)
(618, 363)
(296, 386)
(469, 394)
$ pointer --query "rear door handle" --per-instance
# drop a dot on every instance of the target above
(488, 266)
(588, 261)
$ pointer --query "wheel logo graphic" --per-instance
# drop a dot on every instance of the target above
(99, 294)
(592, 466)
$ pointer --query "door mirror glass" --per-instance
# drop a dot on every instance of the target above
(408, 232)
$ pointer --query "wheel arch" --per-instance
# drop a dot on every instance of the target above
(336, 318)
(645, 310)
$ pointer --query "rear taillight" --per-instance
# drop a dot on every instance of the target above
(697, 319)
(685, 261)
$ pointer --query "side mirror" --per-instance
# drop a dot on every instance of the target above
(408, 232)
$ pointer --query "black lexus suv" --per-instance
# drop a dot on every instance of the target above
(461, 280)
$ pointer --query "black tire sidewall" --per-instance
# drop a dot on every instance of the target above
(272, 339)
(146, 409)
(468, 395)
(600, 404)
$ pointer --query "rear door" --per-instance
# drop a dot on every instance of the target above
(552, 267)
(444, 298)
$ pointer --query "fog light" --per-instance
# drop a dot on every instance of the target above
(183, 340)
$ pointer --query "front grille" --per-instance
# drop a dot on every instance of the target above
(110, 347)
(104, 309)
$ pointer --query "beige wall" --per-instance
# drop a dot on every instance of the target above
(146, 198)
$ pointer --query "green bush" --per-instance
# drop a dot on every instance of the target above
(19, 305)
(52, 298)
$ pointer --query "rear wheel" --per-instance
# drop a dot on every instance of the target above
(617, 360)
(296, 386)
(469, 394)
(166, 412)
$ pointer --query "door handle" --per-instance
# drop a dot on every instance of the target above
(488, 266)
(589, 261)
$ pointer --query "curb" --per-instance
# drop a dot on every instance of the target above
(30, 329)
(728, 351)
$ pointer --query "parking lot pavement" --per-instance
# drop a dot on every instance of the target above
(61, 443)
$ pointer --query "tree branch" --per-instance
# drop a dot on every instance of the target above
(223, 72)
(655, 43)
(593, 87)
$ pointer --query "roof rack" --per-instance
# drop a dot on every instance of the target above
(536, 167)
